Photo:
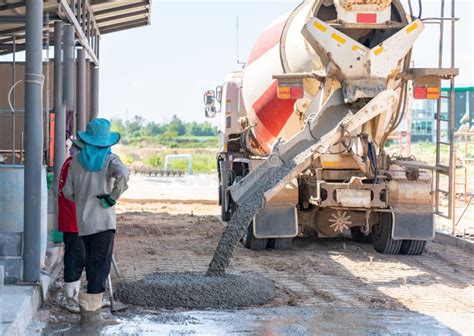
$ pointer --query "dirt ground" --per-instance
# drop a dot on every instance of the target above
(155, 236)
(338, 272)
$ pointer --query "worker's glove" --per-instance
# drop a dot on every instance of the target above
(106, 201)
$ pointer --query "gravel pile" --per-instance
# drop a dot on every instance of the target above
(195, 290)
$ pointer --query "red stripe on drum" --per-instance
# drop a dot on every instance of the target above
(264, 138)
(273, 112)
(266, 41)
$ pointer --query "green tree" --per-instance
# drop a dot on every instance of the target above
(134, 126)
(153, 129)
(207, 129)
(176, 127)
(192, 128)
(116, 125)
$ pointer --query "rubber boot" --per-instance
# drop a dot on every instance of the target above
(71, 292)
(105, 303)
(90, 306)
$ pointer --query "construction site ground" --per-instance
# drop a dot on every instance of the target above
(330, 286)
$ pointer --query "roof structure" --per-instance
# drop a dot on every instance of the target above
(91, 19)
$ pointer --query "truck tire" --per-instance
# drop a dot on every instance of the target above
(359, 237)
(253, 243)
(224, 198)
(280, 244)
(382, 236)
(225, 214)
(413, 247)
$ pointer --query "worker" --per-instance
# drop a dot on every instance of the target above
(96, 180)
(74, 255)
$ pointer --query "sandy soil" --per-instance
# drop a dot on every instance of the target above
(175, 236)
(337, 272)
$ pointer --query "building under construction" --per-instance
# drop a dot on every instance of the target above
(49, 89)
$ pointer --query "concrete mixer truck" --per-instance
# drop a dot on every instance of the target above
(323, 88)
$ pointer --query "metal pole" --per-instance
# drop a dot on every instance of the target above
(98, 47)
(94, 92)
(78, 11)
(46, 116)
(33, 141)
(68, 73)
(452, 130)
(59, 108)
(438, 112)
(81, 90)
(88, 90)
(14, 102)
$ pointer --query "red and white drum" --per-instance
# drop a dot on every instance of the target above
(280, 49)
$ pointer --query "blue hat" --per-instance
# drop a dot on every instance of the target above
(98, 133)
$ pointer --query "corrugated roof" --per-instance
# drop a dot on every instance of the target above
(120, 15)
(107, 17)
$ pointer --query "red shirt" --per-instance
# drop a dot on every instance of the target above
(67, 221)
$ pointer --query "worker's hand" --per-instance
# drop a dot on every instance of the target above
(106, 201)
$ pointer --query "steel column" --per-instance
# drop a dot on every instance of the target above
(88, 90)
(33, 141)
(69, 14)
(452, 127)
(59, 108)
(81, 90)
(14, 101)
(46, 110)
(94, 92)
(68, 72)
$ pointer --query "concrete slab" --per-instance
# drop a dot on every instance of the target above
(21, 302)
(19, 305)
(292, 321)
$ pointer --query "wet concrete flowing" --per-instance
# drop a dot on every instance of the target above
(240, 220)
(196, 290)
(216, 288)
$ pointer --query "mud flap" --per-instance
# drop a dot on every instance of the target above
(413, 223)
(276, 222)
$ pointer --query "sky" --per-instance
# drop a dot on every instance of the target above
(163, 69)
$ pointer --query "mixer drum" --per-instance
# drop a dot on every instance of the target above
(283, 49)
(280, 49)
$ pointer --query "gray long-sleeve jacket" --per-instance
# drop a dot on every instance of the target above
(83, 187)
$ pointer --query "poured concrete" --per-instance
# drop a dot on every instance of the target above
(252, 202)
(196, 290)
(292, 321)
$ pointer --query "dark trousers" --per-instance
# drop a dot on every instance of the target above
(99, 248)
(74, 256)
